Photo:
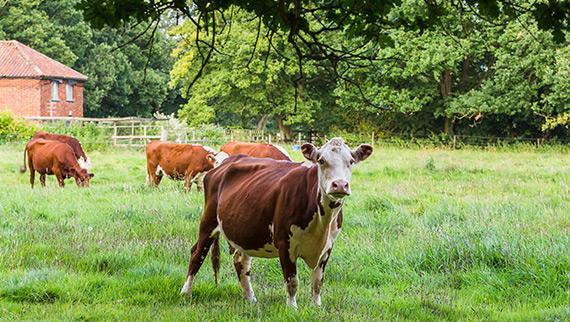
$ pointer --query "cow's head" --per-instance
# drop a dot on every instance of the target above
(335, 160)
(81, 177)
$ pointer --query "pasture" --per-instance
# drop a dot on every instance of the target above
(428, 234)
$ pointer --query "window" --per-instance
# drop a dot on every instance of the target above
(54, 89)
(69, 92)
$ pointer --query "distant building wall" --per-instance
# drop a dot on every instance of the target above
(32, 97)
(22, 96)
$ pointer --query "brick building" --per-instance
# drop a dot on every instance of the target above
(32, 84)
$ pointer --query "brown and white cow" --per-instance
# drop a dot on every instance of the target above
(267, 208)
(54, 157)
(74, 143)
(177, 161)
(256, 150)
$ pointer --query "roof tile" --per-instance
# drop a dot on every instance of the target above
(18, 60)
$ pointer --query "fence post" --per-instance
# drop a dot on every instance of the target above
(372, 138)
(163, 134)
(114, 133)
(231, 136)
(299, 139)
(454, 142)
(269, 138)
(538, 143)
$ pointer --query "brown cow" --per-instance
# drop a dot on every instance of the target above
(267, 208)
(54, 157)
(177, 161)
(74, 143)
(256, 150)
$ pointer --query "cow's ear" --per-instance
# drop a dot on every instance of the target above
(211, 158)
(362, 152)
(310, 152)
(91, 175)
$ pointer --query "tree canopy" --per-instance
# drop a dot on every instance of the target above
(126, 78)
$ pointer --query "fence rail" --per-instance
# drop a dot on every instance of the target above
(133, 131)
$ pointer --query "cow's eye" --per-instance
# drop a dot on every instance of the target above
(351, 161)
(321, 161)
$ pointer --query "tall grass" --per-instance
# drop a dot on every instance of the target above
(429, 234)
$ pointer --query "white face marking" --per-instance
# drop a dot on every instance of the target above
(220, 158)
(85, 164)
(335, 164)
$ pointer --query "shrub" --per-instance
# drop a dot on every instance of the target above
(14, 129)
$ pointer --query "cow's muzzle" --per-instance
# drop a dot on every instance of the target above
(340, 188)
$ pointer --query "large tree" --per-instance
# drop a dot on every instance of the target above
(306, 24)
(246, 75)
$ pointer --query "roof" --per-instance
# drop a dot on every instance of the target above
(20, 61)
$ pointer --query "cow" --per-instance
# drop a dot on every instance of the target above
(54, 157)
(199, 178)
(74, 143)
(256, 150)
(177, 161)
(267, 208)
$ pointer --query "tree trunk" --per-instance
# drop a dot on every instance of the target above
(445, 83)
(284, 130)
(262, 123)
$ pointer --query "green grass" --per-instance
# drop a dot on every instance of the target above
(428, 234)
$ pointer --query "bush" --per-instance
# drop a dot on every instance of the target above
(14, 129)
(90, 136)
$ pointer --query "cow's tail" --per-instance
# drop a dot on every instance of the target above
(23, 169)
(215, 256)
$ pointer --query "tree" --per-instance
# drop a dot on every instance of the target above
(306, 24)
(245, 76)
(122, 82)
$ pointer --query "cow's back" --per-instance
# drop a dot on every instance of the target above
(256, 150)
(69, 140)
(177, 158)
(47, 154)
(249, 192)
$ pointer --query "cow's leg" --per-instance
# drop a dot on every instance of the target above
(43, 179)
(199, 251)
(188, 177)
(32, 175)
(290, 274)
(60, 179)
(242, 264)
(317, 278)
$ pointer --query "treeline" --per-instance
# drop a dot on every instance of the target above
(123, 81)
(463, 76)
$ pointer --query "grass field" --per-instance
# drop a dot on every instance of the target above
(428, 234)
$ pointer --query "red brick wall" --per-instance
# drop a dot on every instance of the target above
(30, 97)
(62, 107)
(21, 96)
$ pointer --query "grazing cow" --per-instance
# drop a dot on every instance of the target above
(83, 160)
(199, 178)
(177, 161)
(54, 157)
(256, 150)
(267, 208)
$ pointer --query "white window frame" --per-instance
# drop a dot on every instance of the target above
(54, 91)
(69, 92)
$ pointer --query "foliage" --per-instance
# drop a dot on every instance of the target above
(92, 137)
(245, 76)
(13, 129)
(131, 81)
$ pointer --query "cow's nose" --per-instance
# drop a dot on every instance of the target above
(339, 187)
